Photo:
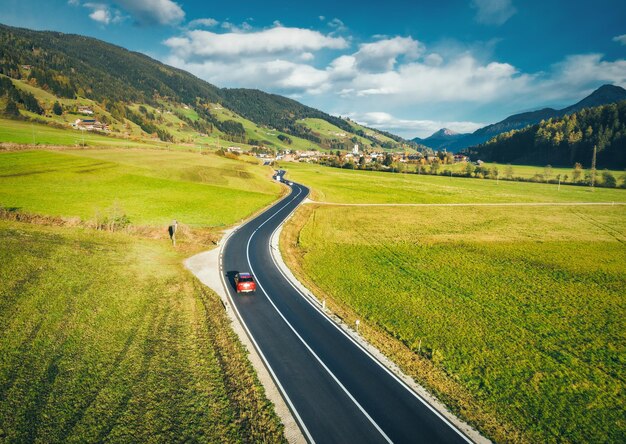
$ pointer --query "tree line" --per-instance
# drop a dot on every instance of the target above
(15, 96)
(564, 141)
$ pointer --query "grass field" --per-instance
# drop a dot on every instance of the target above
(527, 171)
(329, 131)
(151, 187)
(349, 186)
(380, 137)
(106, 338)
(22, 132)
(515, 317)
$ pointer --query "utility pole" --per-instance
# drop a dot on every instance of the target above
(593, 166)
(33, 130)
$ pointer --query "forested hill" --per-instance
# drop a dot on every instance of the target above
(72, 66)
(564, 141)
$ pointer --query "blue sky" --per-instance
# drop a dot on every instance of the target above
(409, 67)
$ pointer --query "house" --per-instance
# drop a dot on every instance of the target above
(89, 125)
(460, 158)
(85, 110)
(414, 157)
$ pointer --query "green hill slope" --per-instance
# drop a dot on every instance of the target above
(140, 97)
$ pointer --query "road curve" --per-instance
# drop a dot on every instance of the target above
(336, 391)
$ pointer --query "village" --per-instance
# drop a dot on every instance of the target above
(357, 158)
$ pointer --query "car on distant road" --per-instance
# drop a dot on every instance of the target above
(244, 283)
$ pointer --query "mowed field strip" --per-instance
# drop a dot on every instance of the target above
(512, 313)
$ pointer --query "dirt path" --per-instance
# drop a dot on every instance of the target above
(501, 204)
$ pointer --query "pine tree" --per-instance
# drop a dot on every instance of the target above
(57, 108)
(11, 109)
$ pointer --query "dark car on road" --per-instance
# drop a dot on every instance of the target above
(244, 283)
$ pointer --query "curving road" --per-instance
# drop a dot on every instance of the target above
(335, 389)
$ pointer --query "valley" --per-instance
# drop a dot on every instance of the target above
(471, 298)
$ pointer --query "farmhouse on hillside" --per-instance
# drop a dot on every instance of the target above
(89, 125)
(85, 110)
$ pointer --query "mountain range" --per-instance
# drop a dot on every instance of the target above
(451, 141)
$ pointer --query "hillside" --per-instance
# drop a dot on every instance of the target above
(140, 97)
(604, 95)
(564, 141)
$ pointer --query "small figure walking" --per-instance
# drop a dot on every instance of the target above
(172, 231)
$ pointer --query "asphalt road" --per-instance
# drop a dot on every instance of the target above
(335, 389)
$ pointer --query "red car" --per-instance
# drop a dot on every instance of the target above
(244, 282)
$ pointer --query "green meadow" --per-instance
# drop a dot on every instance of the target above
(151, 187)
(27, 133)
(107, 338)
(527, 172)
(350, 186)
(329, 131)
(515, 317)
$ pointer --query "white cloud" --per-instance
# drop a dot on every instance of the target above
(493, 12)
(269, 75)
(306, 56)
(203, 22)
(338, 25)
(204, 44)
(433, 59)
(102, 13)
(382, 55)
(586, 70)
(245, 26)
(620, 39)
(163, 12)
(415, 91)
(460, 79)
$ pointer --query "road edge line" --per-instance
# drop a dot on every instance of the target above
(465, 430)
(283, 407)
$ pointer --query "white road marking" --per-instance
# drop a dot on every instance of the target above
(265, 361)
(373, 358)
(332, 375)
